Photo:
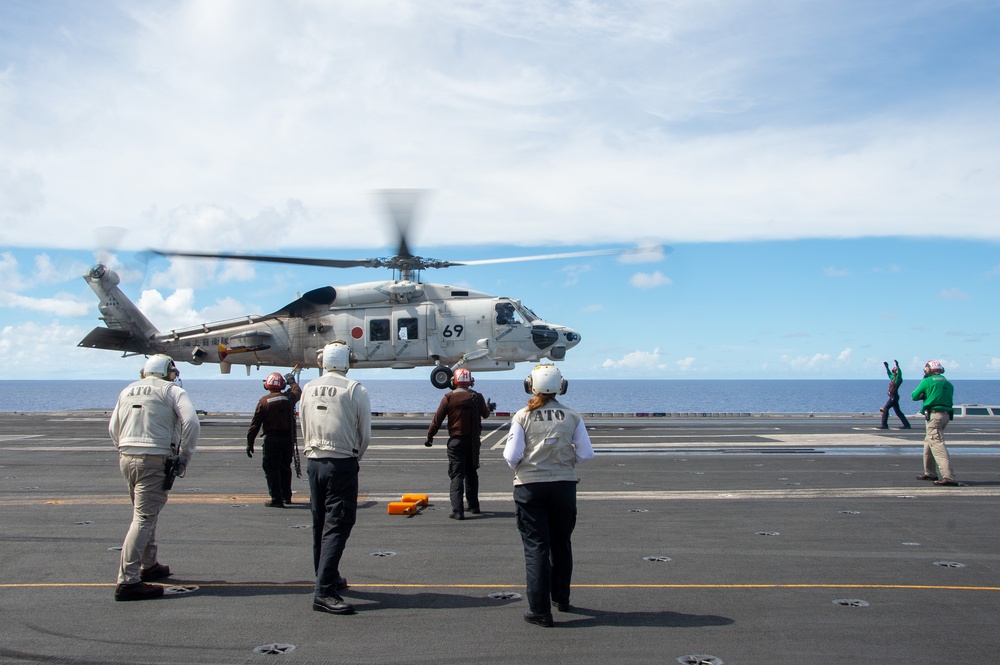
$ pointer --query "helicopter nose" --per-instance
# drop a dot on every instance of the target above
(569, 339)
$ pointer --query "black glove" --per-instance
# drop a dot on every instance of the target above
(428, 443)
(290, 378)
(897, 362)
(886, 364)
(491, 405)
(250, 450)
(174, 467)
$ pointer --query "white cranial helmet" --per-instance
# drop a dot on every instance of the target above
(934, 367)
(160, 365)
(545, 380)
(337, 357)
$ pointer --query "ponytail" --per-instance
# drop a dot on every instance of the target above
(538, 401)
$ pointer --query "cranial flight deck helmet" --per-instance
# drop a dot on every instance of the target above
(545, 380)
(160, 365)
(933, 367)
(462, 378)
(338, 357)
(274, 382)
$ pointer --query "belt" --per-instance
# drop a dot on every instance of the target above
(146, 456)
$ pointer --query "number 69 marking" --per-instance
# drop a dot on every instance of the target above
(453, 331)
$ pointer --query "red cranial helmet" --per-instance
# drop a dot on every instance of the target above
(462, 377)
(274, 382)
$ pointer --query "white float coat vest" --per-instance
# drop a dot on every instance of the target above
(336, 417)
(549, 452)
(152, 414)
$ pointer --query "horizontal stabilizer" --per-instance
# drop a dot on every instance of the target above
(112, 339)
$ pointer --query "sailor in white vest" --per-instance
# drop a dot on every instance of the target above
(546, 441)
(336, 424)
(153, 422)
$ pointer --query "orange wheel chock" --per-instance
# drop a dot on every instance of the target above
(419, 499)
(402, 508)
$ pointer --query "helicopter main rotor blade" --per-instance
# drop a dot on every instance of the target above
(301, 261)
(564, 255)
(401, 205)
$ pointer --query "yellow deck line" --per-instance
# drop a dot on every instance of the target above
(309, 585)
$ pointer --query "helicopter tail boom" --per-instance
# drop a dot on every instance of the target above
(128, 330)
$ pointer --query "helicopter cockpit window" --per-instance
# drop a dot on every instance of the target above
(506, 314)
(378, 330)
(528, 314)
(407, 329)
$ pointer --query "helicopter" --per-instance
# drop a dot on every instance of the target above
(398, 323)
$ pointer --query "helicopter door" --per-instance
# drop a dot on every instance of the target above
(508, 329)
(409, 335)
(378, 335)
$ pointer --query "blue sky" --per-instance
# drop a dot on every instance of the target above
(826, 174)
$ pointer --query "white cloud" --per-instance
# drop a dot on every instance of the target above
(174, 311)
(814, 362)
(177, 310)
(844, 356)
(223, 309)
(685, 364)
(237, 271)
(836, 272)
(10, 274)
(27, 350)
(537, 122)
(641, 280)
(952, 294)
(21, 193)
(574, 272)
(46, 272)
(642, 361)
(56, 306)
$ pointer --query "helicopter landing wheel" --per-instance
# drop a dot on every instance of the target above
(441, 377)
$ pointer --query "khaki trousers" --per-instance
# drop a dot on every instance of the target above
(935, 451)
(144, 476)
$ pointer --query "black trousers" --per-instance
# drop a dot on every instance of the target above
(546, 517)
(893, 403)
(277, 464)
(463, 462)
(333, 487)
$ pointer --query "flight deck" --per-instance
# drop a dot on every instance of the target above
(786, 538)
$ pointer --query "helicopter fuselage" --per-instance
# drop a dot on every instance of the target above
(398, 324)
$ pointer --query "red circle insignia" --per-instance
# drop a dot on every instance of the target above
(357, 332)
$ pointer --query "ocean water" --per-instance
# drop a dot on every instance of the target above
(671, 396)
